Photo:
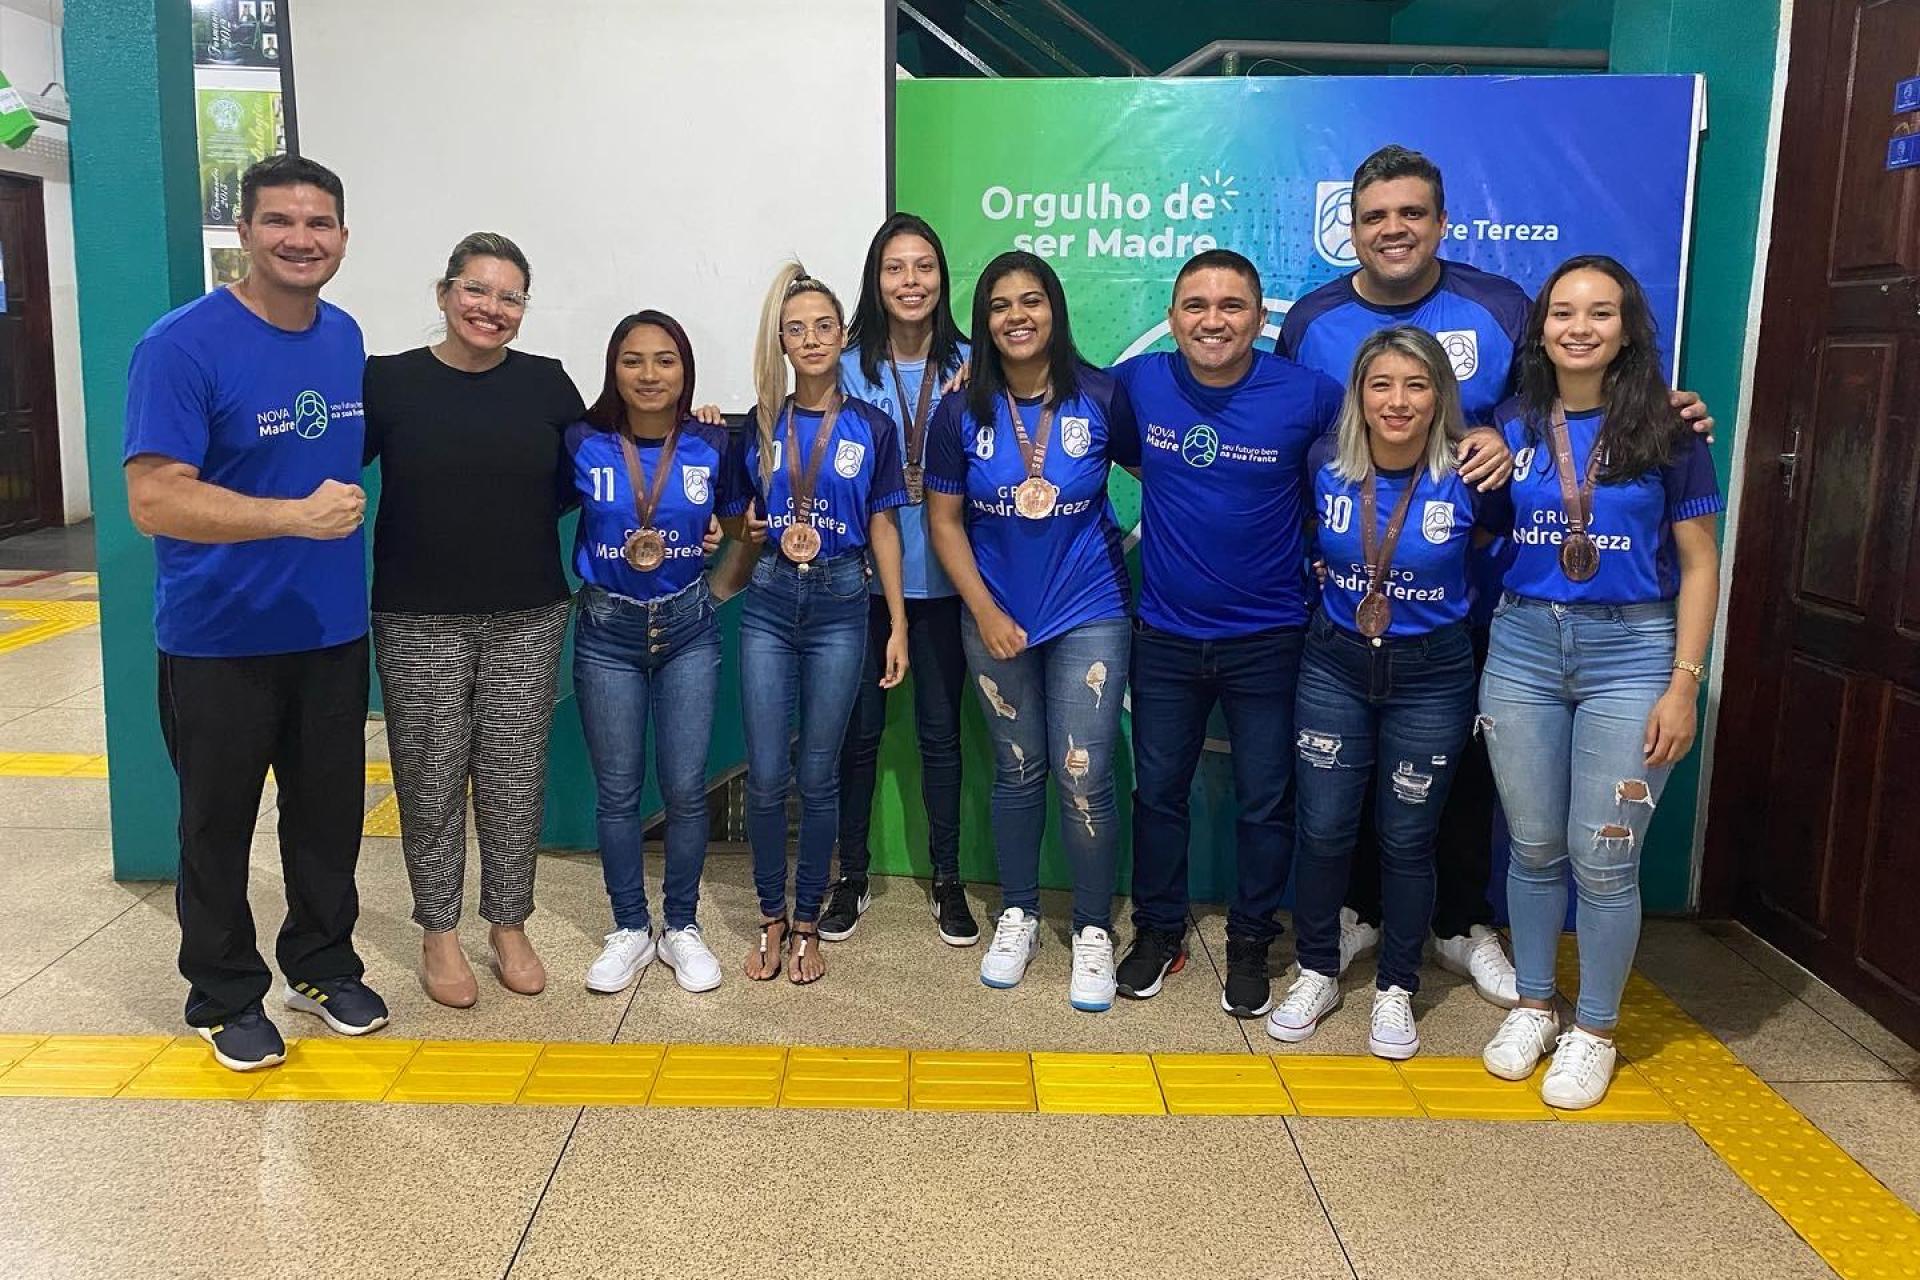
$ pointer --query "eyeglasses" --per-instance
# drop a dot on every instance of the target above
(474, 291)
(794, 332)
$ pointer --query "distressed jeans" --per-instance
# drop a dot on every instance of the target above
(1563, 708)
(1405, 705)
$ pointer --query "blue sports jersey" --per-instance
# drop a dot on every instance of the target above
(1055, 574)
(1222, 506)
(1632, 521)
(920, 573)
(858, 478)
(1478, 317)
(270, 414)
(708, 474)
(1426, 583)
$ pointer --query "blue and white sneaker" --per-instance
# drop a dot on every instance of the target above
(1092, 986)
(1016, 936)
(246, 1042)
(348, 1005)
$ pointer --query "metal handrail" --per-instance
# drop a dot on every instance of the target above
(1330, 51)
(1097, 37)
(999, 14)
(935, 30)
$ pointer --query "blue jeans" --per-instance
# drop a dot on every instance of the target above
(803, 642)
(1564, 709)
(1176, 682)
(939, 677)
(1051, 710)
(1403, 703)
(636, 662)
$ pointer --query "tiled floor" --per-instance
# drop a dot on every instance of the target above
(161, 1188)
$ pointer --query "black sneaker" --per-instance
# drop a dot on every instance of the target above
(957, 928)
(246, 1041)
(850, 901)
(348, 1005)
(1155, 953)
(1249, 992)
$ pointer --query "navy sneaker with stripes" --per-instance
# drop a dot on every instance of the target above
(246, 1041)
(348, 1005)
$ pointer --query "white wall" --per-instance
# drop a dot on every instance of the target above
(667, 154)
(30, 57)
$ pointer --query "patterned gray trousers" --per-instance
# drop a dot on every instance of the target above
(469, 697)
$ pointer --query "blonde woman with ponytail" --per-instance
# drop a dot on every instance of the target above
(826, 471)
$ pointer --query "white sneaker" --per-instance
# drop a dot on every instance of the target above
(1477, 954)
(1393, 1035)
(1016, 936)
(1522, 1040)
(1311, 997)
(1356, 938)
(627, 953)
(1092, 986)
(1581, 1071)
(685, 951)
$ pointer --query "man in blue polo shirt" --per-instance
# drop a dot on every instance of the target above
(242, 459)
(1224, 435)
(1399, 222)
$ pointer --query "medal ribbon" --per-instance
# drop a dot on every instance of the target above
(1033, 452)
(1576, 503)
(644, 507)
(801, 487)
(916, 422)
(1379, 554)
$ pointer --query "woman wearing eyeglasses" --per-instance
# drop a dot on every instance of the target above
(469, 604)
(826, 470)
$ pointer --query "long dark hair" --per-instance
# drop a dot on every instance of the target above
(988, 380)
(868, 332)
(1641, 427)
(609, 412)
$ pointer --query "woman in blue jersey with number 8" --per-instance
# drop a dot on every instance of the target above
(1596, 655)
(1386, 676)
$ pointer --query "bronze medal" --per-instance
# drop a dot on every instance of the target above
(646, 550)
(1373, 616)
(916, 476)
(1579, 553)
(1035, 498)
(1579, 556)
(916, 426)
(800, 543)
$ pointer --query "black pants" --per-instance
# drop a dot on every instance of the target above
(1462, 851)
(226, 720)
(939, 675)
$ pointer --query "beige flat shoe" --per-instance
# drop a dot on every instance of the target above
(445, 974)
(516, 962)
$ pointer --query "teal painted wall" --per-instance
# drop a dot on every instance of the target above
(1548, 24)
(136, 214)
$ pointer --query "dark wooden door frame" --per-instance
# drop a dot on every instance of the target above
(30, 195)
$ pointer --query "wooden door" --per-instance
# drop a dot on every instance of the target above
(29, 429)
(1813, 835)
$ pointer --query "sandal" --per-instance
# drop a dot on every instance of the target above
(777, 950)
(801, 939)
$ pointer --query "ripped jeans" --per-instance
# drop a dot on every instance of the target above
(1405, 703)
(1054, 709)
(1563, 708)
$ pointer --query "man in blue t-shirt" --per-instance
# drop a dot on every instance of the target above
(1224, 435)
(242, 459)
(1399, 223)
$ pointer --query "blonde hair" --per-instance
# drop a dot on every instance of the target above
(770, 354)
(1353, 453)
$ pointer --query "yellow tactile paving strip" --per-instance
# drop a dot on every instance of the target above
(383, 819)
(44, 620)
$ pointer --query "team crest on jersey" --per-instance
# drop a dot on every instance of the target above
(1463, 349)
(847, 458)
(983, 443)
(1333, 223)
(1076, 437)
(1436, 522)
(694, 482)
(1523, 463)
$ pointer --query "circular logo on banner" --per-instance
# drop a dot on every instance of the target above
(1200, 446)
(310, 415)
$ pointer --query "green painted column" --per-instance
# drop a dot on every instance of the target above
(136, 213)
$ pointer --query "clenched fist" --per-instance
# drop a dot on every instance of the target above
(334, 510)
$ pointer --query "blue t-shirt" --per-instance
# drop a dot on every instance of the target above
(1426, 583)
(1221, 510)
(859, 476)
(707, 476)
(1055, 574)
(270, 414)
(1479, 318)
(920, 571)
(1632, 521)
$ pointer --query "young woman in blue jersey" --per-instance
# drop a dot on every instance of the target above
(646, 654)
(901, 346)
(1386, 677)
(1596, 657)
(826, 470)
(1017, 507)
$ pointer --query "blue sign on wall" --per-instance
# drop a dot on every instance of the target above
(1906, 95)
(1903, 152)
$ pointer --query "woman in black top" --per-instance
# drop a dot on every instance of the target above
(470, 604)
